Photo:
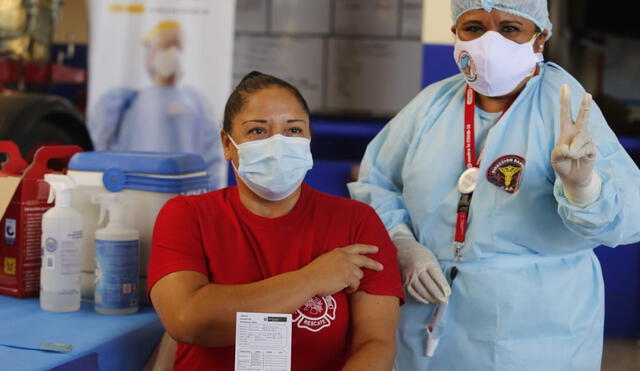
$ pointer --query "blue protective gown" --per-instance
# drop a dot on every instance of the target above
(529, 295)
(159, 118)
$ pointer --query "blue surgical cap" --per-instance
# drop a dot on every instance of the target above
(533, 10)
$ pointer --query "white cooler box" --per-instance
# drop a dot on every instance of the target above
(149, 179)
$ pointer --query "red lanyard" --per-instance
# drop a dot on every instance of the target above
(469, 129)
(470, 161)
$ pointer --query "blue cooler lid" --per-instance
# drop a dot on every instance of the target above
(159, 163)
(144, 170)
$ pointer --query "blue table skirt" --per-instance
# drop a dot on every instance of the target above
(100, 342)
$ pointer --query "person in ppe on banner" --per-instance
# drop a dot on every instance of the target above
(273, 244)
(165, 117)
(496, 185)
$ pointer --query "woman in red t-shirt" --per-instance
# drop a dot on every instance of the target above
(273, 244)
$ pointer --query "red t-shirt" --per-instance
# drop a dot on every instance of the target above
(214, 234)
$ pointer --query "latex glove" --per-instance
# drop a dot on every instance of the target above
(574, 155)
(421, 272)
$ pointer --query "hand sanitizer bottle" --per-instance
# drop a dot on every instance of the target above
(61, 249)
(117, 258)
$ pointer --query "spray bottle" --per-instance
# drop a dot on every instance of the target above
(61, 249)
(117, 258)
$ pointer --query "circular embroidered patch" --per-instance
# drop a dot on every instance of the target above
(316, 314)
(467, 66)
(506, 172)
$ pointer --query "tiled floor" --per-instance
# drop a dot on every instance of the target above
(621, 355)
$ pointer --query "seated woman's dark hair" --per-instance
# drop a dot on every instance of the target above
(249, 84)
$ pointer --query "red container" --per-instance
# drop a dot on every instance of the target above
(23, 200)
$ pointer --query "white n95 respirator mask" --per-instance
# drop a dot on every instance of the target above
(494, 65)
(166, 62)
(273, 168)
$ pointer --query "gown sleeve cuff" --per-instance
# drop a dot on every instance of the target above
(584, 196)
(401, 231)
(594, 219)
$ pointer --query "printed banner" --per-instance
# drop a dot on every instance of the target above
(160, 73)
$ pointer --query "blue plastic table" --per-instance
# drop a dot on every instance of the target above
(99, 342)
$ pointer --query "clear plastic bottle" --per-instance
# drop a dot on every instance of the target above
(436, 328)
(117, 259)
(61, 249)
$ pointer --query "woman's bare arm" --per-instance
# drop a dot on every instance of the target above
(373, 323)
(195, 311)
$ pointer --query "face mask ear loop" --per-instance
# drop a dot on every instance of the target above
(235, 145)
(532, 41)
(535, 36)
(232, 141)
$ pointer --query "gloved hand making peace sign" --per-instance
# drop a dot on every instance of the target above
(574, 155)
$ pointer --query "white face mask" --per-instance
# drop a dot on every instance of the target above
(273, 168)
(494, 65)
(166, 62)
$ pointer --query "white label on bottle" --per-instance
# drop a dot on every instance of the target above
(117, 274)
(61, 259)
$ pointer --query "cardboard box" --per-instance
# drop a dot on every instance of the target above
(23, 200)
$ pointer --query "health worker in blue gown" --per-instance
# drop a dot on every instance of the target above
(496, 185)
(165, 117)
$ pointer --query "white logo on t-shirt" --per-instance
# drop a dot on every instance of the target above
(316, 314)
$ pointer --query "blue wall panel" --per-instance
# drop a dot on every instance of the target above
(437, 63)
(621, 272)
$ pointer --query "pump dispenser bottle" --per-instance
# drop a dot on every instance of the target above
(61, 252)
(117, 258)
